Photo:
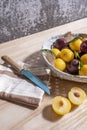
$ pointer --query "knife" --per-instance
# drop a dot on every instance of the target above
(26, 73)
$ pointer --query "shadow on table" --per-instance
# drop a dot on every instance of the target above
(35, 60)
(49, 114)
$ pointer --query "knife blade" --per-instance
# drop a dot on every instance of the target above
(26, 73)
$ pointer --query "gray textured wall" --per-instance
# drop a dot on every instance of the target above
(24, 17)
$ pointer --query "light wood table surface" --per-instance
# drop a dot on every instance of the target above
(16, 117)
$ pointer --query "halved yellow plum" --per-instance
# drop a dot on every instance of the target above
(61, 105)
(77, 95)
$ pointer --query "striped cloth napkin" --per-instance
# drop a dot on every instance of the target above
(16, 88)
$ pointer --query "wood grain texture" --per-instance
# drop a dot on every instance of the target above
(16, 117)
